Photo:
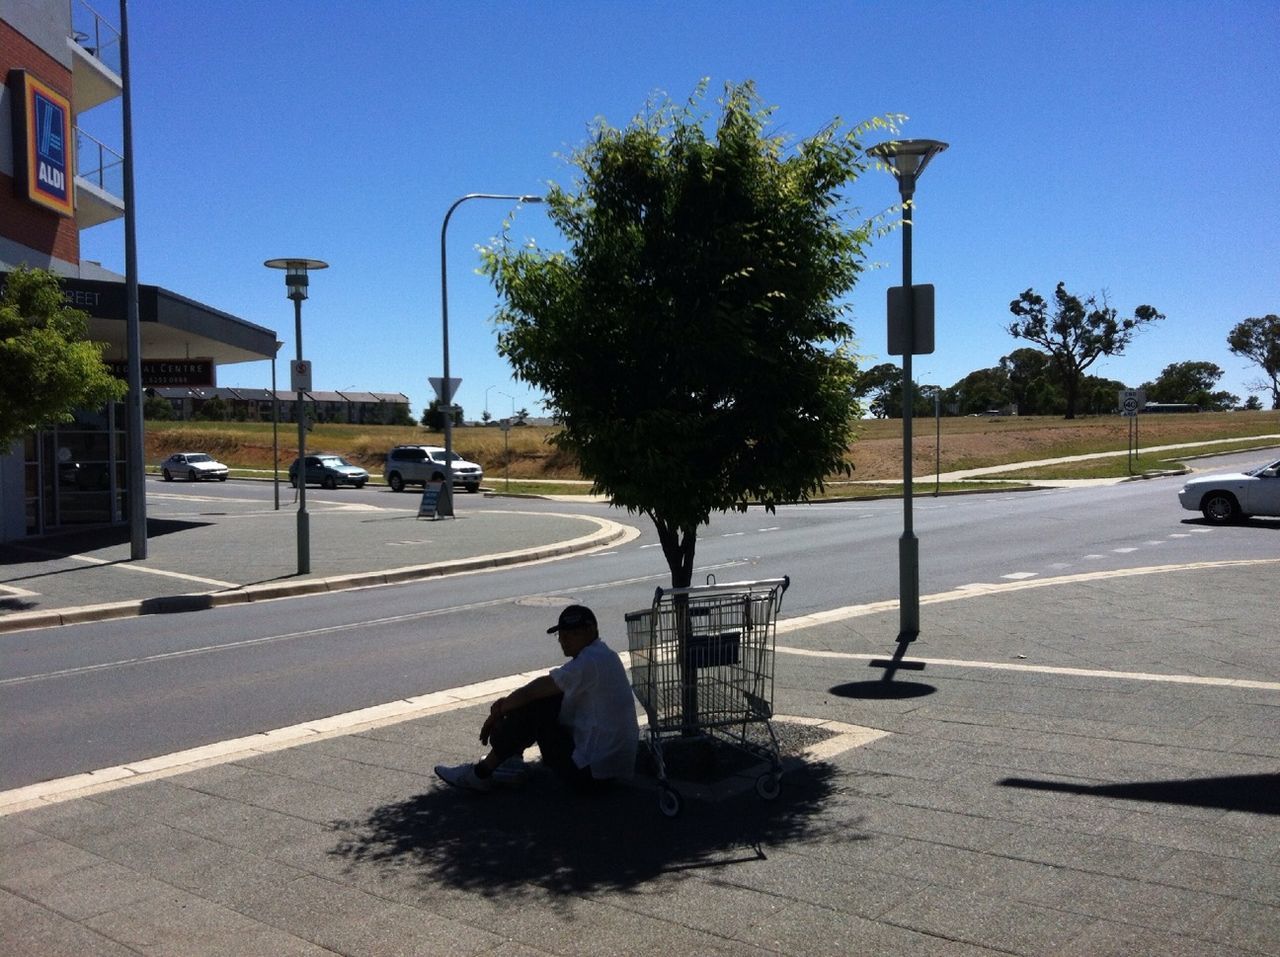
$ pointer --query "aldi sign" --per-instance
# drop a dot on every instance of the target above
(43, 117)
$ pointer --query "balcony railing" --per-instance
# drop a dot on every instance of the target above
(99, 164)
(96, 35)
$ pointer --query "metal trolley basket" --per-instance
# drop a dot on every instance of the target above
(702, 663)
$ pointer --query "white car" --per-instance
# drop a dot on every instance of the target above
(196, 466)
(1231, 496)
(419, 464)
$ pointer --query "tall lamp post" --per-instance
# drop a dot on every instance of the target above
(907, 159)
(295, 280)
(446, 400)
(275, 428)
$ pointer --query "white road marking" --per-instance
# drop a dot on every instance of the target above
(17, 592)
(123, 566)
(1050, 670)
(1018, 576)
(1124, 551)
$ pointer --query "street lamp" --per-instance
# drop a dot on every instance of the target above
(446, 398)
(907, 159)
(295, 281)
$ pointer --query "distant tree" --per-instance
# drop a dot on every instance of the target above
(1033, 385)
(157, 409)
(485, 417)
(48, 368)
(1100, 396)
(1190, 382)
(691, 339)
(1258, 340)
(880, 387)
(1076, 333)
(984, 389)
(433, 416)
(1252, 404)
(522, 417)
(212, 410)
(398, 414)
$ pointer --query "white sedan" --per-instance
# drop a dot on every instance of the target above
(1231, 496)
(196, 466)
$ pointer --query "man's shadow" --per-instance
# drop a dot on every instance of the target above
(544, 839)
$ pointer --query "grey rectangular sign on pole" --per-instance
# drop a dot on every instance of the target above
(899, 313)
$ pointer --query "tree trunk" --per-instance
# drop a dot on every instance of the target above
(678, 545)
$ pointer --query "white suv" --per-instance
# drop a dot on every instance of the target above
(420, 464)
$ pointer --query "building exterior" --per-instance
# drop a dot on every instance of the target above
(255, 405)
(59, 59)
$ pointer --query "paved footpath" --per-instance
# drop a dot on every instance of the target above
(1084, 767)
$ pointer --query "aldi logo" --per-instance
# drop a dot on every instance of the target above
(45, 117)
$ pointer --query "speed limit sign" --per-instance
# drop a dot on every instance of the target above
(1130, 401)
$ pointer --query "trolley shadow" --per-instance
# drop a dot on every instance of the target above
(544, 840)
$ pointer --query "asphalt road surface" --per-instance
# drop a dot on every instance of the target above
(81, 697)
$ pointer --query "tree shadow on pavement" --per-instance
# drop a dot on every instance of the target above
(543, 839)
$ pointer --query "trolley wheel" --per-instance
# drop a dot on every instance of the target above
(768, 785)
(669, 802)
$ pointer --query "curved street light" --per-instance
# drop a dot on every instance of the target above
(446, 399)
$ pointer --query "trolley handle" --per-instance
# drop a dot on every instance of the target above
(782, 584)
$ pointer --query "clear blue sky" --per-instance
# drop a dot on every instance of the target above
(1125, 147)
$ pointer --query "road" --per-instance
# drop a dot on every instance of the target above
(82, 697)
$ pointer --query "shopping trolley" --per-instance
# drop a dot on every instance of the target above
(702, 664)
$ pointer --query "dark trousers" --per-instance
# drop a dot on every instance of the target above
(538, 722)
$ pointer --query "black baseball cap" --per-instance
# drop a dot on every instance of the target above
(575, 616)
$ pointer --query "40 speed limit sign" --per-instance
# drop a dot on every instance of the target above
(1131, 400)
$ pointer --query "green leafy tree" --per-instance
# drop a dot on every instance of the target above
(1252, 404)
(433, 416)
(157, 409)
(691, 340)
(881, 388)
(1258, 340)
(1032, 386)
(1076, 333)
(985, 389)
(48, 369)
(213, 410)
(1190, 382)
(397, 413)
(1100, 396)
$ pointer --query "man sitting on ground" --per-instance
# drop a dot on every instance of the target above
(582, 716)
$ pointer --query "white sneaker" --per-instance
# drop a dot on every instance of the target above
(463, 776)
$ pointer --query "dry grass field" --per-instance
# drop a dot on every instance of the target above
(970, 442)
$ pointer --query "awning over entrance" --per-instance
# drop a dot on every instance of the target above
(171, 326)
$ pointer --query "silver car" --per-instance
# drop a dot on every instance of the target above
(196, 466)
(1231, 496)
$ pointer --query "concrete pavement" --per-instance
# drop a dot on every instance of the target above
(1085, 766)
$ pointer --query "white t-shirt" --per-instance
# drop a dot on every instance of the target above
(600, 709)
